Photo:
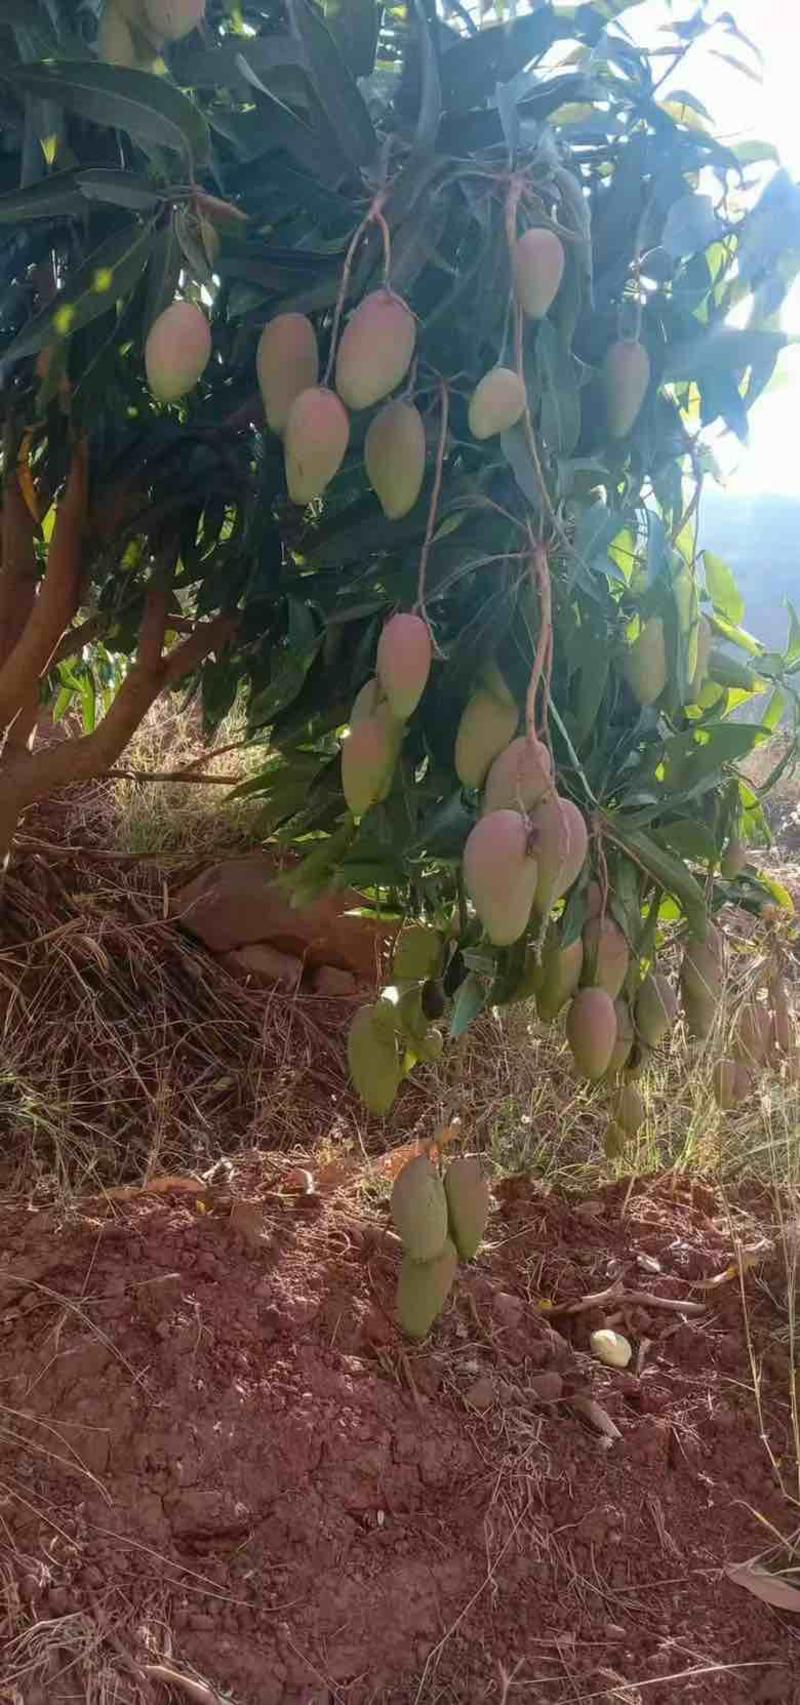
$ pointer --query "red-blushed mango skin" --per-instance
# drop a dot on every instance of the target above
(561, 843)
(287, 363)
(606, 955)
(405, 652)
(376, 349)
(537, 266)
(394, 457)
(496, 402)
(177, 351)
(519, 776)
(368, 755)
(626, 376)
(315, 441)
(592, 1031)
(173, 19)
(485, 727)
(500, 875)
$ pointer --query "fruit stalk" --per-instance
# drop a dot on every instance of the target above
(433, 506)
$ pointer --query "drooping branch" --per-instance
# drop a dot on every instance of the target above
(57, 599)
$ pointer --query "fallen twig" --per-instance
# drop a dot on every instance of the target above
(637, 1299)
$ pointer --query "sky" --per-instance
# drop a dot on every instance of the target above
(768, 111)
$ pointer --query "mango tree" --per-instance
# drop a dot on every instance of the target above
(371, 366)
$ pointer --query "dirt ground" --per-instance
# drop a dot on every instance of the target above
(218, 1460)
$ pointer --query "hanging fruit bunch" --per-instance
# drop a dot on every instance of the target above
(525, 659)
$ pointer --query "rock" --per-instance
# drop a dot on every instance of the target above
(239, 901)
(330, 980)
(508, 1309)
(263, 964)
(546, 1387)
(481, 1394)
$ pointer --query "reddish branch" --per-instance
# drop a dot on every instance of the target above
(56, 601)
(30, 638)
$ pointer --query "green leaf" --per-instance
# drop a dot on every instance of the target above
(691, 224)
(692, 758)
(670, 873)
(121, 189)
(51, 198)
(163, 272)
(689, 837)
(108, 275)
(469, 1002)
(354, 27)
(792, 651)
(430, 100)
(149, 108)
(336, 90)
(722, 588)
(472, 66)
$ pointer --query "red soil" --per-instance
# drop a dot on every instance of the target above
(217, 1454)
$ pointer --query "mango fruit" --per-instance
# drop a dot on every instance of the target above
(732, 1083)
(405, 650)
(372, 1057)
(624, 1040)
(592, 1031)
(519, 777)
(315, 440)
(369, 754)
(418, 1207)
(752, 1034)
(645, 662)
(702, 968)
(782, 1028)
(626, 376)
(496, 403)
(628, 1110)
(500, 874)
(656, 1008)
(605, 955)
(394, 457)
(119, 42)
(561, 843)
(173, 19)
(486, 726)
(423, 1288)
(615, 1141)
(375, 350)
(734, 859)
(468, 1204)
(177, 351)
(287, 363)
(537, 266)
(700, 676)
(559, 975)
(417, 954)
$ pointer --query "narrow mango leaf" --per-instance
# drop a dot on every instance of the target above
(50, 198)
(771, 1589)
(151, 109)
(109, 274)
(722, 588)
(669, 872)
(336, 90)
(469, 1002)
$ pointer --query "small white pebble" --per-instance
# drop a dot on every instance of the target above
(611, 1348)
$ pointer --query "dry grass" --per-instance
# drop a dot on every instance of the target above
(187, 817)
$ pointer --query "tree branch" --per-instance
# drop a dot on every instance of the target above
(57, 600)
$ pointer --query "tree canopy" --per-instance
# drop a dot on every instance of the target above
(286, 158)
